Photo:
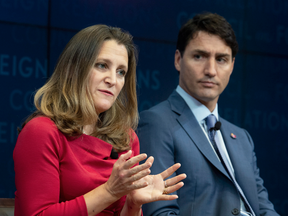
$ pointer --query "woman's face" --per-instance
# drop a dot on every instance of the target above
(107, 77)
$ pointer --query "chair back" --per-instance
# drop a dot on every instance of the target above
(7, 206)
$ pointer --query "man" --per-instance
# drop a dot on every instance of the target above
(222, 174)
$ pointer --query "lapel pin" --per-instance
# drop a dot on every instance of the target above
(233, 136)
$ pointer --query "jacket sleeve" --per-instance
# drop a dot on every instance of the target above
(37, 175)
(156, 140)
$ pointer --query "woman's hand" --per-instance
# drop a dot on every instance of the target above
(123, 179)
(157, 188)
(126, 178)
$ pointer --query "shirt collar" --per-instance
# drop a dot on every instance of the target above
(199, 110)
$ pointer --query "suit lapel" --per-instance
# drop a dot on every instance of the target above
(189, 123)
(242, 167)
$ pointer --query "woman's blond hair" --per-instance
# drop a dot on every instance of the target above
(66, 98)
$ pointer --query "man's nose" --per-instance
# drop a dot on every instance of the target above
(210, 67)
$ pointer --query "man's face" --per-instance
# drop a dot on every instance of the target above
(205, 68)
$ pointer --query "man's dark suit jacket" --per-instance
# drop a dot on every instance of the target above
(171, 133)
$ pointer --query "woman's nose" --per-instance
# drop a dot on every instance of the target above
(111, 78)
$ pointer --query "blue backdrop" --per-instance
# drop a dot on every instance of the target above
(34, 32)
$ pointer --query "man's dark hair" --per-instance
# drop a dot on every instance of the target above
(212, 24)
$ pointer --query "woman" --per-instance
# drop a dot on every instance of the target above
(66, 154)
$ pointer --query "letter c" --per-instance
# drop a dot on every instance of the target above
(12, 100)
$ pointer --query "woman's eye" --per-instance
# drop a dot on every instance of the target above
(100, 65)
(121, 72)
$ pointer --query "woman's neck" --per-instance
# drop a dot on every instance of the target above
(88, 129)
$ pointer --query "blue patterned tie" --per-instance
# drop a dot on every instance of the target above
(210, 122)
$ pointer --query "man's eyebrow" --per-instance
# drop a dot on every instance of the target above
(203, 52)
(223, 55)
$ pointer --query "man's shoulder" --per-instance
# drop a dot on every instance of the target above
(170, 104)
(162, 113)
(158, 108)
(157, 113)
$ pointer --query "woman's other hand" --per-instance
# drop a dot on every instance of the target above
(157, 189)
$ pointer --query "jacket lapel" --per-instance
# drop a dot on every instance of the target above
(189, 123)
(238, 156)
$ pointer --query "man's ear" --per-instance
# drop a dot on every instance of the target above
(177, 60)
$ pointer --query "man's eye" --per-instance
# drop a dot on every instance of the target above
(197, 56)
(221, 60)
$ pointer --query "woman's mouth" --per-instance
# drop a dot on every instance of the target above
(106, 92)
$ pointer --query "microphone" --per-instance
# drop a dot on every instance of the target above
(216, 127)
(114, 154)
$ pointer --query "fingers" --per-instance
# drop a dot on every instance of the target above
(134, 160)
(168, 197)
(174, 188)
(174, 180)
(128, 175)
(173, 184)
(125, 156)
(150, 159)
(171, 189)
(168, 172)
(139, 175)
(139, 168)
(138, 172)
